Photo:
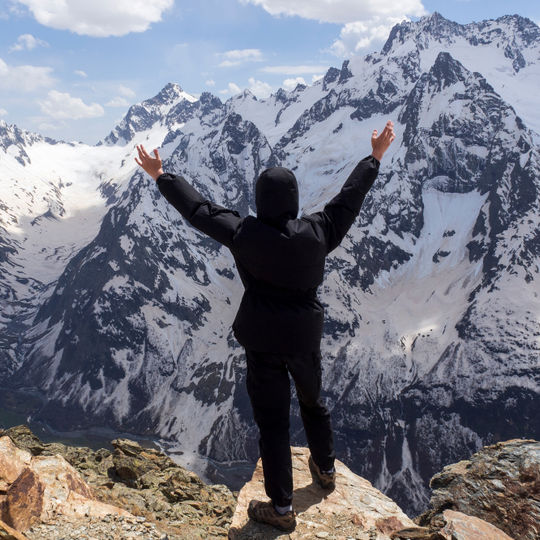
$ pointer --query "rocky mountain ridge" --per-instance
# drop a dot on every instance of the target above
(119, 313)
(50, 490)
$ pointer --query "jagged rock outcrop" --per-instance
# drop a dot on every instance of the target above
(36, 488)
(452, 525)
(499, 484)
(51, 490)
(143, 482)
(355, 509)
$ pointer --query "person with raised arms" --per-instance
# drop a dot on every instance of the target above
(280, 258)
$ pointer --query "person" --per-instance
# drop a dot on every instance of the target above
(280, 259)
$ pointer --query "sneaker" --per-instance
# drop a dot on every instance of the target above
(326, 480)
(266, 513)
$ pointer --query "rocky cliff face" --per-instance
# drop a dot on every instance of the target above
(119, 313)
(500, 484)
(50, 491)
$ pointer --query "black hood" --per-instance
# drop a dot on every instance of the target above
(276, 196)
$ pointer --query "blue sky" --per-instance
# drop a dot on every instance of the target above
(72, 73)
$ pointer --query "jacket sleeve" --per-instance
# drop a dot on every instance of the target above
(340, 213)
(212, 219)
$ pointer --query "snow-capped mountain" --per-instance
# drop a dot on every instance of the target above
(120, 312)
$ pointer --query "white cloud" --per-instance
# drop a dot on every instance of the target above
(12, 10)
(126, 92)
(15, 9)
(210, 82)
(27, 42)
(25, 78)
(240, 56)
(294, 70)
(315, 78)
(360, 34)
(118, 102)
(341, 11)
(81, 73)
(99, 18)
(259, 89)
(50, 126)
(61, 105)
(365, 21)
(232, 89)
(290, 84)
(3, 112)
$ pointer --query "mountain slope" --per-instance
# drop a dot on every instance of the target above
(432, 329)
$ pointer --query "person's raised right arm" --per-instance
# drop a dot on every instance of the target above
(340, 213)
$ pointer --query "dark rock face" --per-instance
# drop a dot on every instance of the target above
(431, 330)
(499, 484)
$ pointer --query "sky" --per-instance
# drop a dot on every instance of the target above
(70, 69)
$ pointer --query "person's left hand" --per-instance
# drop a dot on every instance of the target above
(151, 165)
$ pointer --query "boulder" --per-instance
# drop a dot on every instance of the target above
(145, 482)
(355, 509)
(453, 526)
(8, 533)
(13, 461)
(45, 486)
(26, 439)
(499, 484)
(459, 526)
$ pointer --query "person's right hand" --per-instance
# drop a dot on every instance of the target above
(381, 143)
(152, 165)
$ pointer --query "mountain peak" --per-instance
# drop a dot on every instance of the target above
(436, 28)
(168, 95)
(145, 115)
(447, 69)
(171, 88)
(435, 17)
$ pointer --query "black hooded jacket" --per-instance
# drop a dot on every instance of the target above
(280, 258)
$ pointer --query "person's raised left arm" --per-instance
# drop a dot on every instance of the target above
(210, 218)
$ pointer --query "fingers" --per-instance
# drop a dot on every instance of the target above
(145, 153)
(388, 132)
(388, 129)
(141, 155)
(138, 162)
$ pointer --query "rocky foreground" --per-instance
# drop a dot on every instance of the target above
(53, 491)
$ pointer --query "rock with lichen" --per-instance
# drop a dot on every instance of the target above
(354, 509)
(499, 484)
(144, 482)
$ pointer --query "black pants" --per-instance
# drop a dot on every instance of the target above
(269, 390)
